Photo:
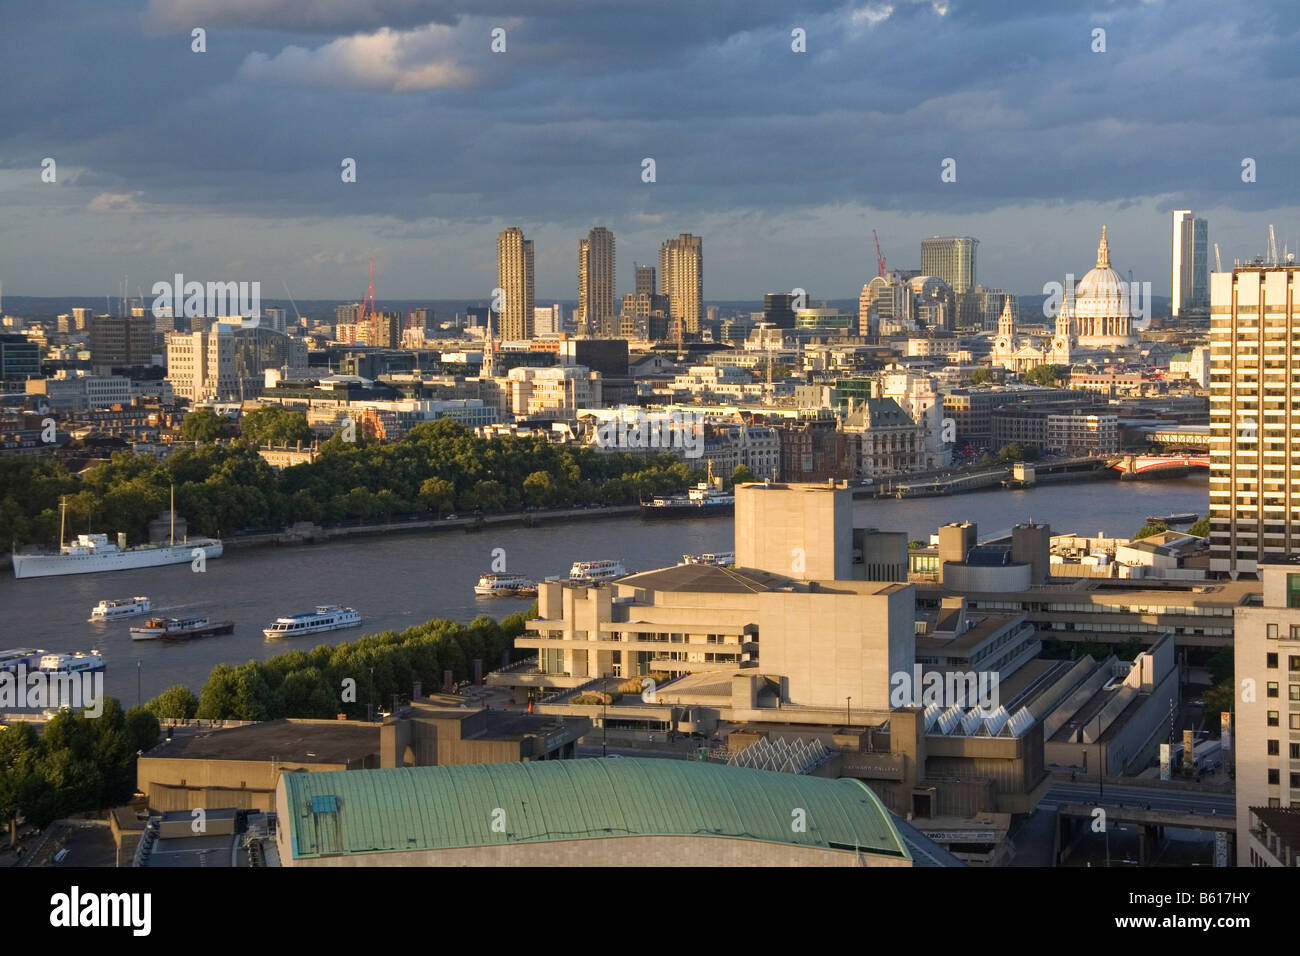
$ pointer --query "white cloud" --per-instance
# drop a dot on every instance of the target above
(389, 61)
(114, 202)
(872, 14)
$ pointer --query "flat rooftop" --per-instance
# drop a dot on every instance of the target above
(501, 724)
(326, 741)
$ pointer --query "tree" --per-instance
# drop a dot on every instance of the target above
(489, 495)
(203, 425)
(1147, 530)
(1048, 376)
(742, 475)
(1201, 528)
(539, 489)
(1017, 452)
(981, 376)
(273, 425)
(175, 703)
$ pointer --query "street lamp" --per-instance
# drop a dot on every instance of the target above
(604, 719)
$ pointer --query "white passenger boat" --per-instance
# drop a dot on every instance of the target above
(78, 663)
(120, 607)
(594, 572)
(326, 617)
(503, 585)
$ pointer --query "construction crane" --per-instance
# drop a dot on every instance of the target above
(880, 256)
(369, 304)
(1218, 263)
(296, 313)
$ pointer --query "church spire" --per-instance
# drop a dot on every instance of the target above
(489, 367)
(1103, 251)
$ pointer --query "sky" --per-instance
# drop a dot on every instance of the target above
(226, 164)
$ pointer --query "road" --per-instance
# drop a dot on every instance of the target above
(1174, 801)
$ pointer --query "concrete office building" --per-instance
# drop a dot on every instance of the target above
(121, 341)
(515, 278)
(631, 812)
(681, 274)
(1254, 387)
(226, 362)
(596, 314)
(1266, 738)
(239, 766)
(1191, 268)
(645, 279)
(952, 259)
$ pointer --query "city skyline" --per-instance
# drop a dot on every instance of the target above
(1049, 142)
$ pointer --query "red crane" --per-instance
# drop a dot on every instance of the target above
(880, 256)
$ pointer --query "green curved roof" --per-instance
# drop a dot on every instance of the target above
(435, 808)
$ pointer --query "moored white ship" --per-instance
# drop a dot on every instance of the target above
(26, 657)
(326, 617)
(594, 572)
(90, 553)
(111, 610)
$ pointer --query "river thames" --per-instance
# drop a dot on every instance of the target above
(399, 580)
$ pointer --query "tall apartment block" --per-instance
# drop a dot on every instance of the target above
(952, 259)
(1254, 417)
(515, 278)
(1266, 742)
(596, 283)
(681, 275)
(1191, 267)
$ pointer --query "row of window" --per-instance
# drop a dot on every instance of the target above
(1275, 720)
(1274, 750)
(1274, 778)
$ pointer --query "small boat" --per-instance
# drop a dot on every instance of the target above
(502, 585)
(721, 560)
(79, 663)
(1188, 517)
(595, 572)
(28, 658)
(121, 607)
(326, 617)
(176, 628)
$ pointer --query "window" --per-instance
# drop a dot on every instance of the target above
(1293, 590)
(1272, 631)
(1294, 721)
(1295, 751)
(1272, 688)
(1271, 661)
(1295, 781)
(1272, 718)
(1274, 776)
(1293, 691)
(1273, 749)
(1293, 662)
